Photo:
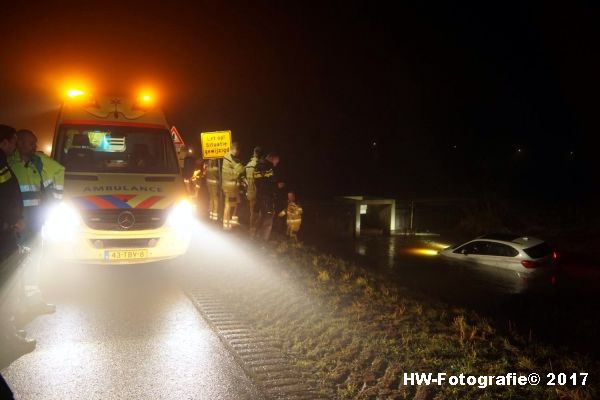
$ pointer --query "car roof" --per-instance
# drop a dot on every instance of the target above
(522, 241)
(506, 237)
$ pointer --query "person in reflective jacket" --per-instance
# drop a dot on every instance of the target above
(251, 188)
(41, 181)
(293, 212)
(212, 183)
(197, 186)
(267, 184)
(11, 224)
(230, 174)
(11, 201)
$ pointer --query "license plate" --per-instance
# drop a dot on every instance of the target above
(115, 255)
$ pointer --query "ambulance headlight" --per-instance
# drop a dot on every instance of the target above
(62, 223)
(181, 215)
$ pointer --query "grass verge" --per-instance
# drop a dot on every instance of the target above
(363, 333)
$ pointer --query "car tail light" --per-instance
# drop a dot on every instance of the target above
(554, 255)
(529, 264)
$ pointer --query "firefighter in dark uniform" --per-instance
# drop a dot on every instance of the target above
(267, 184)
(11, 224)
(11, 209)
(248, 179)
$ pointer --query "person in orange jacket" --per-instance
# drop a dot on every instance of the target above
(294, 216)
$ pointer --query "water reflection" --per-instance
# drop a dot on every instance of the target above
(413, 262)
(499, 295)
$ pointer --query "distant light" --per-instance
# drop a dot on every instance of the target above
(363, 209)
(48, 148)
(190, 151)
(440, 246)
(374, 144)
(519, 150)
(75, 92)
(146, 98)
(422, 252)
(455, 147)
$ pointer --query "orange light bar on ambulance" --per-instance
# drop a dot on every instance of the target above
(75, 93)
(144, 101)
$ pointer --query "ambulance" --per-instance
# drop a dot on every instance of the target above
(124, 198)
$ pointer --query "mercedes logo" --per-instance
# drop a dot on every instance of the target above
(126, 220)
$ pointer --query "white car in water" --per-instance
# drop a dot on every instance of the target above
(527, 257)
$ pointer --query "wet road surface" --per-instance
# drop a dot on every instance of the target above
(124, 332)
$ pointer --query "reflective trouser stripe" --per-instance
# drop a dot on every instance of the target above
(29, 188)
(31, 203)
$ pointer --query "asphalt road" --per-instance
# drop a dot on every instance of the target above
(125, 332)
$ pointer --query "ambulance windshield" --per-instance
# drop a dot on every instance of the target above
(116, 149)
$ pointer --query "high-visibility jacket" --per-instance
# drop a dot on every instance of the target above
(212, 173)
(230, 173)
(40, 176)
(293, 212)
(197, 177)
(249, 177)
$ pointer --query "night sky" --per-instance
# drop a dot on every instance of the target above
(418, 100)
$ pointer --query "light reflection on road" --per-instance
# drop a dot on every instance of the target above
(122, 333)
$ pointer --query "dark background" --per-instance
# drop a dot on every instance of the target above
(422, 99)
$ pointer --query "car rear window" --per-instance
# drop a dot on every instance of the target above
(539, 251)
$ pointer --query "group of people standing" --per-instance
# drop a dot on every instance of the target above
(29, 182)
(258, 181)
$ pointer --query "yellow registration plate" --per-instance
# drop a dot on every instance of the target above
(116, 255)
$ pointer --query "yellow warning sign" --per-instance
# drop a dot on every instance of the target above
(215, 144)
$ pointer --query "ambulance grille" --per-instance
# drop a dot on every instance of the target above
(107, 220)
(124, 243)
